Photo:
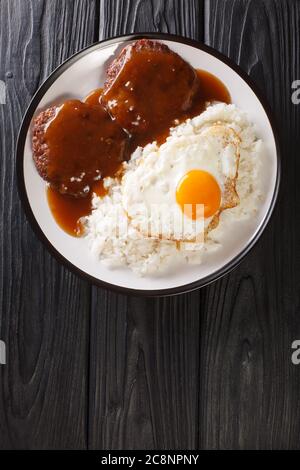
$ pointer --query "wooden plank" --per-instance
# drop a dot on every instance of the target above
(183, 17)
(44, 308)
(144, 372)
(249, 387)
(144, 352)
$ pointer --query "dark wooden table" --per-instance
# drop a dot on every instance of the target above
(87, 368)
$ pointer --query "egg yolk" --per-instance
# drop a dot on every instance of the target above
(198, 187)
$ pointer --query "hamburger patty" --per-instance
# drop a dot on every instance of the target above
(76, 145)
(39, 145)
(148, 86)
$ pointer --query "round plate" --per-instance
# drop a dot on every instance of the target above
(84, 72)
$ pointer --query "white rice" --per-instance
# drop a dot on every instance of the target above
(147, 256)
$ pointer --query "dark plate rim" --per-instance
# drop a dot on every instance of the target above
(20, 167)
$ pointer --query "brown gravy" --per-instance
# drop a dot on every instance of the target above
(211, 89)
(85, 145)
(94, 96)
(148, 87)
(67, 210)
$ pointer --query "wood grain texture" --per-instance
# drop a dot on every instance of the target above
(44, 308)
(144, 372)
(210, 369)
(144, 352)
(249, 388)
(184, 17)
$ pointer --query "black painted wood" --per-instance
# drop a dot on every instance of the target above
(89, 368)
(44, 308)
(249, 387)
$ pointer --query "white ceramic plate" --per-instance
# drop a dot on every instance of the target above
(75, 79)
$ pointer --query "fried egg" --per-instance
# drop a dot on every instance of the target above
(177, 191)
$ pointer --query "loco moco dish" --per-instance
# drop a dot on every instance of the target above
(154, 167)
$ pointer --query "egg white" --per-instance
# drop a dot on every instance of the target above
(150, 180)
